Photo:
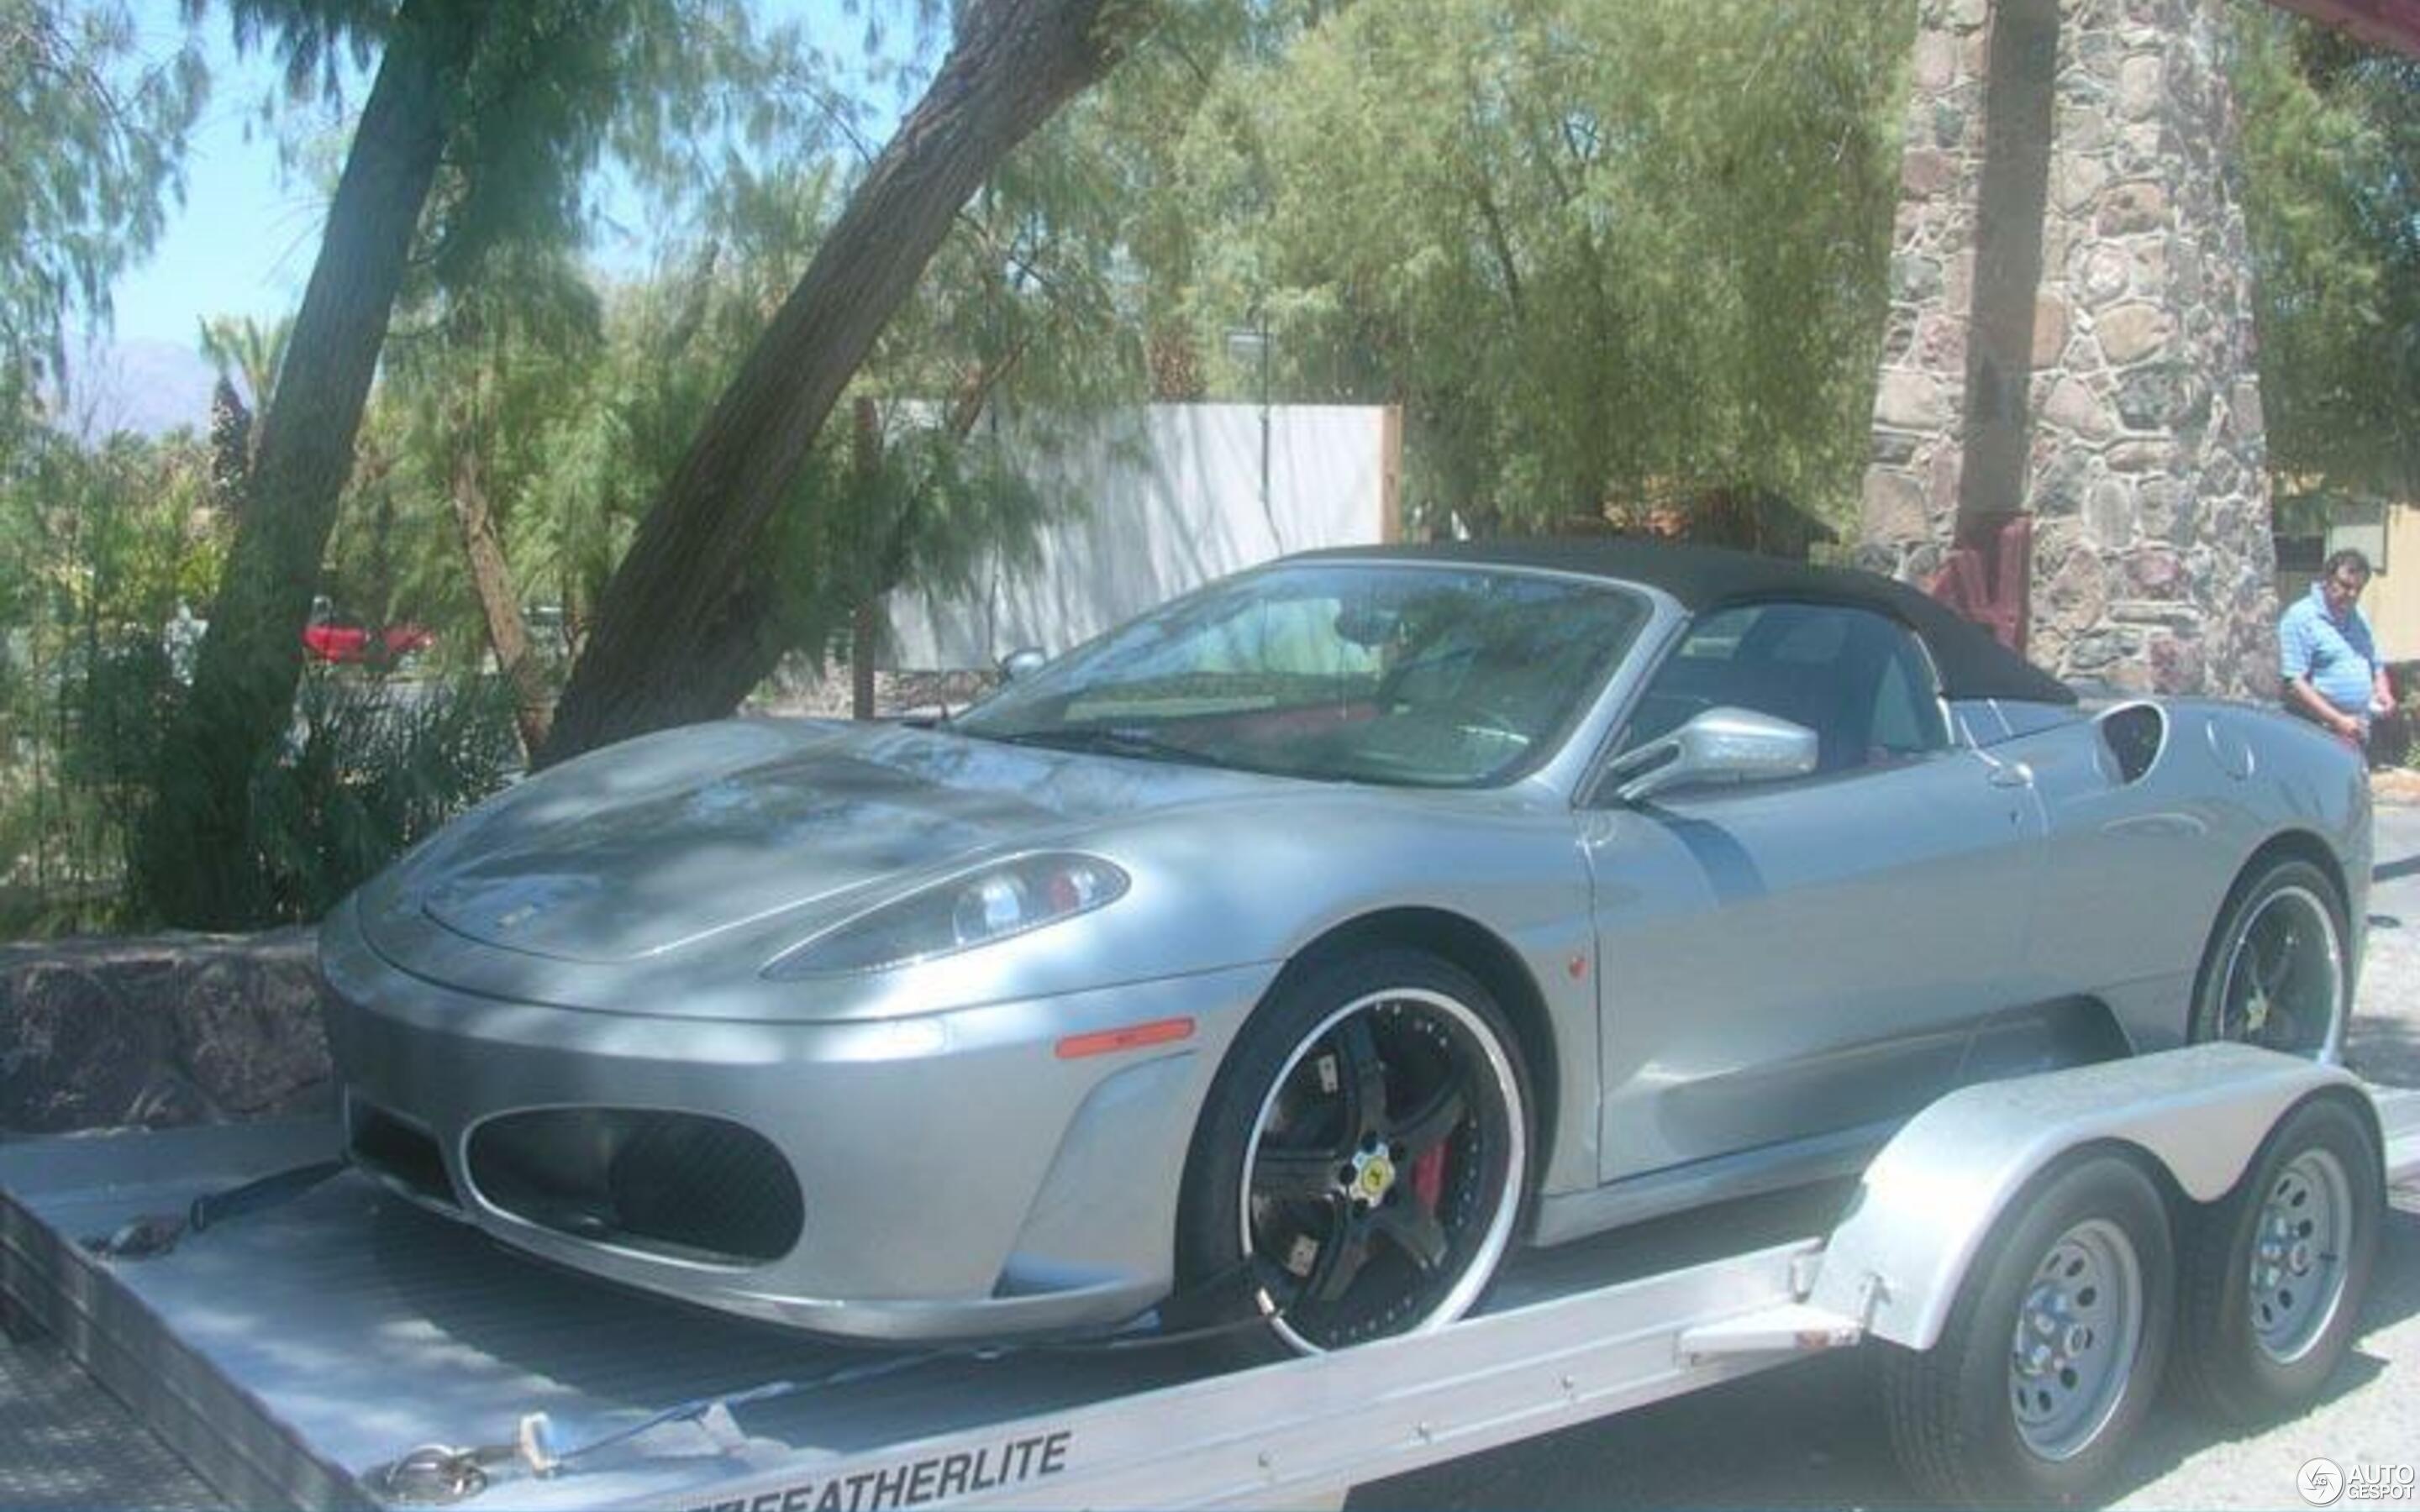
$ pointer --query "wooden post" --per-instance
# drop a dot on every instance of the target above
(1390, 475)
(863, 621)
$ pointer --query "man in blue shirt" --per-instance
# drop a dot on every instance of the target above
(2329, 661)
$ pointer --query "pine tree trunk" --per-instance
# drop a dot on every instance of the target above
(681, 634)
(491, 580)
(198, 866)
(866, 441)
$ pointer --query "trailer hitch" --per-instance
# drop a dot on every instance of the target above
(437, 1474)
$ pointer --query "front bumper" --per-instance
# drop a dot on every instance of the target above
(959, 1178)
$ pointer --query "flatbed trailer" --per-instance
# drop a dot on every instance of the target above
(345, 1349)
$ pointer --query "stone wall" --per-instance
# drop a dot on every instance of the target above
(1911, 490)
(154, 1033)
(2144, 465)
(2154, 564)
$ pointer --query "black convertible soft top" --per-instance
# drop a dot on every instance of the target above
(1973, 665)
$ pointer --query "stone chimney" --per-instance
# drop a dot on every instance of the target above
(2070, 338)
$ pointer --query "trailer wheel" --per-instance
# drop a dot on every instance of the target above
(2053, 1348)
(1363, 1155)
(2275, 1272)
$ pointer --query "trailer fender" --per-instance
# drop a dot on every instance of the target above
(1930, 1200)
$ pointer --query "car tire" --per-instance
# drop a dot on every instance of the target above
(1362, 1159)
(2275, 1271)
(2053, 1348)
(2295, 996)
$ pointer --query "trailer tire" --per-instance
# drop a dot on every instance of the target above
(2053, 1348)
(2275, 1272)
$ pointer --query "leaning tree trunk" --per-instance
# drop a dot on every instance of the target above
(197, 862)
(865, 616)
(749, 643)
(682, 632)
(491, 580)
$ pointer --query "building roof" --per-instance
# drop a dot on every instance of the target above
(1972, 663)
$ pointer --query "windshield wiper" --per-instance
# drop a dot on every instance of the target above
(1115, 740)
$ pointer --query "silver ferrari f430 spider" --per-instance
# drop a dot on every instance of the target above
(1322, 934)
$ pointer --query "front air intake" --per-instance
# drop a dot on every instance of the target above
(681, 1185)
(400, 1154)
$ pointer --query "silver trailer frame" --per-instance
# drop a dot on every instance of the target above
(297, 1355)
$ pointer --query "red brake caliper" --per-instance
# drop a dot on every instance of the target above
(1428, 1176)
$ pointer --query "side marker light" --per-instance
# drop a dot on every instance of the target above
(1132, 1037)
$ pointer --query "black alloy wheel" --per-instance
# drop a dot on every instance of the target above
(2275, 972)
(1364, 1154)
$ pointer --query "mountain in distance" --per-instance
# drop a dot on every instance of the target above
(148, 387)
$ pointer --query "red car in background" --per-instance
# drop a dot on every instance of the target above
(341, 638)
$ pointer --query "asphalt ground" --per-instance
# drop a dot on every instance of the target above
(1811, 1435)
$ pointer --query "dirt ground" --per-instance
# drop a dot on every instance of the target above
(800, 692)
(2383, 1041)
(2395, 785)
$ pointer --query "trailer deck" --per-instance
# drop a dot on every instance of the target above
(291, 1356)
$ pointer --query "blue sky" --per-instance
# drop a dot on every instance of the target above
(243, 242)
(244, 239)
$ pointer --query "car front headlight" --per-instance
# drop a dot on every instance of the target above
(994, 902)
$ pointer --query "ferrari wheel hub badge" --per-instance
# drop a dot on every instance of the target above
(1373, 1176)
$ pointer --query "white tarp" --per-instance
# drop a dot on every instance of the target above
(1158, 501)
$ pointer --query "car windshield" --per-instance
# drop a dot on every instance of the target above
(1345, 671)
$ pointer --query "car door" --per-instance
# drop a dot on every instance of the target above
(1785, 959)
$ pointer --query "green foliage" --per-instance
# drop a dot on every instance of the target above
(1595, 251)
(501, 364)
(2329, 149)
(933, 509)
(497, 339)
(476, 380)
(1033, 304)
(1547, 230)
(242, 347)
(97, 550)
(501, 351)
(311, 39)
(583, 409)
(100, 548)
(90, 136)
(372, 766)
(612, 431)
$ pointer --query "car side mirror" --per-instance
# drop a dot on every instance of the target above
(1022, 662)
(1722, 745)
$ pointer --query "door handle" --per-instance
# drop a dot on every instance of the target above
(2012, 775)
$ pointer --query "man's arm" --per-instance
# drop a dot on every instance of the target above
(2300, 692)
(2382, 687)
